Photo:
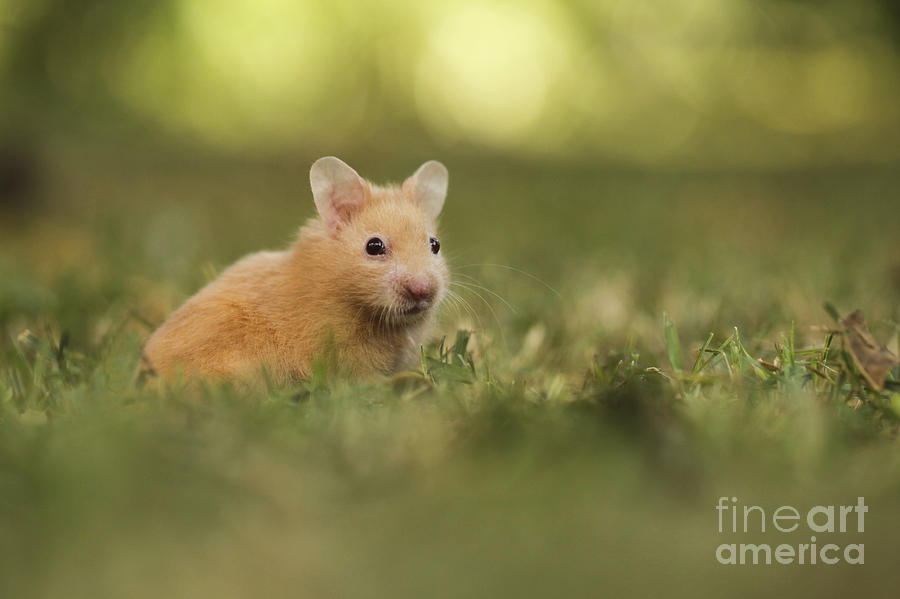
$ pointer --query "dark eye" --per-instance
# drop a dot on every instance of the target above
(375, 247)
(435, 245)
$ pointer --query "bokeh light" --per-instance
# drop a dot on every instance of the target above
(487, 71)
(684, 82)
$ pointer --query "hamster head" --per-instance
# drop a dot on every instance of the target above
(383, 241)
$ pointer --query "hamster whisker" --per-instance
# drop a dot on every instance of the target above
(516, 270)
(395, 314)
(486, 303)
(382, 317)
(356, 315)
(453, 301)
(465, 304)
(494, 293)
(457, 303)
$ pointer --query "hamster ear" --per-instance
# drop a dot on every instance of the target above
(428, 186)
(337, 190)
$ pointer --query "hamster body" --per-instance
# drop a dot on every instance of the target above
(362, 281)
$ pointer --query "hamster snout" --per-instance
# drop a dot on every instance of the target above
(417, 291)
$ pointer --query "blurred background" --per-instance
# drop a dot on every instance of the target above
(744, 83)
(730, 163)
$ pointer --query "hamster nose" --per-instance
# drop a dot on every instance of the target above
(419, 290)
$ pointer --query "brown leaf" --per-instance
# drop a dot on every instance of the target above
(770, 367)
(873, 359)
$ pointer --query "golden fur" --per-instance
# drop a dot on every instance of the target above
(280, 311)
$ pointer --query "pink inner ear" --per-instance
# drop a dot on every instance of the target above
(428, 187)
(345, 198)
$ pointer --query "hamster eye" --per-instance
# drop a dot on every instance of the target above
(375, 247)
(435, 245)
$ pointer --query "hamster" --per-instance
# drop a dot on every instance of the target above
(361, 283)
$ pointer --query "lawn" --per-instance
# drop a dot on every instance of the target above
(634, 345)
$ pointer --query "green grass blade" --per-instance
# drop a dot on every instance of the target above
(673, 345)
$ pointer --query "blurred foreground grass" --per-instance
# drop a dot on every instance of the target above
(555, 452)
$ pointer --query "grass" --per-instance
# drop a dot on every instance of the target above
(571, 441)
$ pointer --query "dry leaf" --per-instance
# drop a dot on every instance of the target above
(768, 366)
(873, 359)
